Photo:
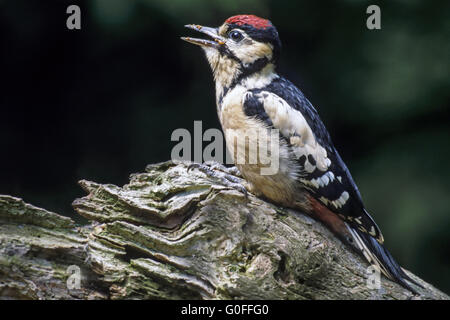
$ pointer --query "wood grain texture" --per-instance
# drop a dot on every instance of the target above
(174, 234)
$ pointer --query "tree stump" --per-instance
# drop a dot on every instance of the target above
(174, 234)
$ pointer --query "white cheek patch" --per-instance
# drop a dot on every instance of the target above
(293, 125)
(249, 53)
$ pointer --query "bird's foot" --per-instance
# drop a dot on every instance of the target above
(233, 171)
(229, 177)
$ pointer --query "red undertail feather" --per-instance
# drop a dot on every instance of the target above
(329, 218)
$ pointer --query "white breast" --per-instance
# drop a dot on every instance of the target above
(272, 171)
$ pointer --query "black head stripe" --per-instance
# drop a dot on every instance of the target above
(248, 70)
(254, 67)
(224, 50)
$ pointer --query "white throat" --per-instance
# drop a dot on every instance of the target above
(256, 80)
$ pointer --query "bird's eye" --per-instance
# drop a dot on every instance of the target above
(235, 36)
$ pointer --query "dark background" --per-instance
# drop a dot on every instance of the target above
(102, 102)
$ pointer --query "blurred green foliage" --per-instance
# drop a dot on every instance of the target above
(115, 91)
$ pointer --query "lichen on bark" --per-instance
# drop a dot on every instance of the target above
(174, 234)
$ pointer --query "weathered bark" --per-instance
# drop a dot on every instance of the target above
(173, 234)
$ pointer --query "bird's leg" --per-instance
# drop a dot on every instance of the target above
(233, 171)
(229, 177)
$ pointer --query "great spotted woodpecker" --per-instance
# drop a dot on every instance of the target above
(252, 97)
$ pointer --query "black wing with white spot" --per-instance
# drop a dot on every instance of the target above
(283, 106)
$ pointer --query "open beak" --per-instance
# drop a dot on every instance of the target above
(216, 42)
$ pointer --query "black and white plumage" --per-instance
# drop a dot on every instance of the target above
(252, 100)
(283, 106)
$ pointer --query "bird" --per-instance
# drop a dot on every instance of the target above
(253, 101)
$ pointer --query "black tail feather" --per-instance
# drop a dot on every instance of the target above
(376, 253)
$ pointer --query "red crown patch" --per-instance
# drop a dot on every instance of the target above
(250, 19)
